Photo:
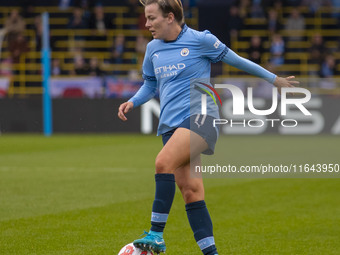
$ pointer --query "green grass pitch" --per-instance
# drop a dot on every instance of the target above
(92, 194)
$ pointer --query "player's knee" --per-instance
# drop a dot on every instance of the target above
(191, 195)
(162, 165)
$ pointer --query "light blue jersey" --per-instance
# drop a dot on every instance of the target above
(174, 66)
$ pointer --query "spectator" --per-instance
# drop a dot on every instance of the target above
(256, 10)
(77, 21)
(328, 67)
(118, 50)
(327, 71)
(277, 50)
(99, 23)
(255, 50)
(38, 34)
(140, 49)
(56, 68)
(133, 6)
(18, 46)
(94, 67)
(77, 52)
(317, 50)
(234, 24)
(274, 25)
(80, 66)
(296, 24)
(87, 6)
(14, 25)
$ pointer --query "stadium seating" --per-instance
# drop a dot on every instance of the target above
(26, 75)
(297, 54)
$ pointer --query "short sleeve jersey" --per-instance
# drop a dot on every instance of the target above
(174, 64)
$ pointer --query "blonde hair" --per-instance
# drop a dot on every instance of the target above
(167, 6)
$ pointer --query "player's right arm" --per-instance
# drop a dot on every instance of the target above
(144, 94)
(146, 91)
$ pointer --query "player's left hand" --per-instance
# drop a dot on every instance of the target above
(287, 82)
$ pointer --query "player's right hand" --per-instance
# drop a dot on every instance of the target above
(124, 108)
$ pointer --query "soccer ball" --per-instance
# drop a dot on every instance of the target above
(130, 249)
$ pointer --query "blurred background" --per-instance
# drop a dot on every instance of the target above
(91, 194)
(97, 49)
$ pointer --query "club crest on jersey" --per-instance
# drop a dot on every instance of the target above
(185, 52)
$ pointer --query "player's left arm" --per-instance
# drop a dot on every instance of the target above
(250, 67)
(215, 50)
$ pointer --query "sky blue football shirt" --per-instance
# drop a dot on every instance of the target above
(176, 67)
(173, 65)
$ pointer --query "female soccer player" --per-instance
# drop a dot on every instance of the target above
(177, 56)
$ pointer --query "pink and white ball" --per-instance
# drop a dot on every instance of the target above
(130, 249)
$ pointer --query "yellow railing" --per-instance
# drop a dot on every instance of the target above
(318, 23)
(29, 67)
